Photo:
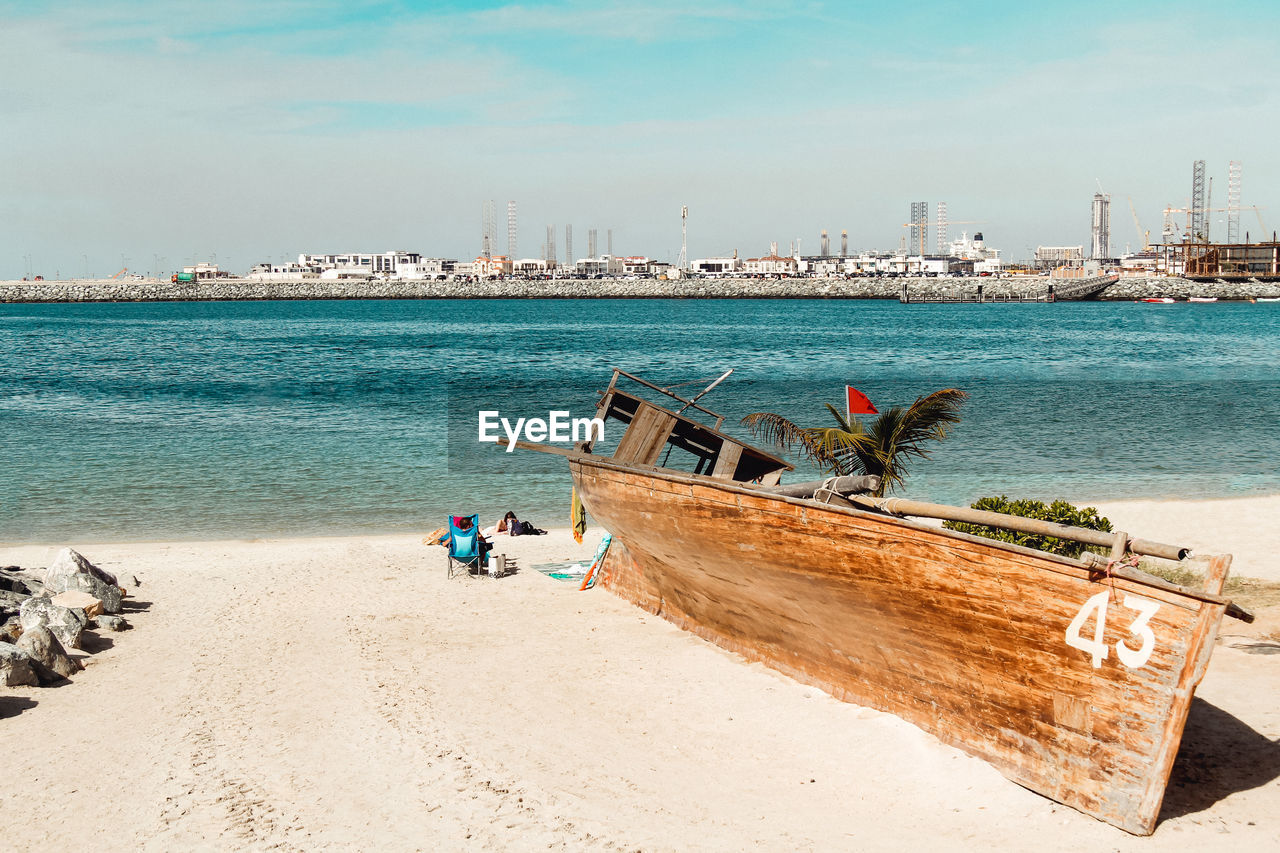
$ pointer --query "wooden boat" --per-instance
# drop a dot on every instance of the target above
(1073, 677)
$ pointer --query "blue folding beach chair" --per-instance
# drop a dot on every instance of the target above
(465, 550)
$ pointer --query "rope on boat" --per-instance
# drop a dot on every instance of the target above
(826, 491)
(889, 505)
(1128, 562)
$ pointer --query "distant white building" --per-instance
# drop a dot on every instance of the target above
(424, 269)
(889, 264)
(533, 266)
(825, 267)
(1053, 256)
(924, 265)
(495, 266)
(204, 271)
(771, 265)
(364, 265)
(602, 265)
(282, 272)
(717, 266)
(636, 265)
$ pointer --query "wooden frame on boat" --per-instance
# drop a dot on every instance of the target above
(1072, 677)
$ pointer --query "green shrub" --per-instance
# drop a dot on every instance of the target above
(1059, 512)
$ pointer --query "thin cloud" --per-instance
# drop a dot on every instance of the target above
(639, 22)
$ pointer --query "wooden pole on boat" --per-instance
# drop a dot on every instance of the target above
(1118, 544)
(901, 506)
(705, 391)
(837, 486)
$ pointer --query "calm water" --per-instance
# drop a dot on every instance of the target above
(240, 419)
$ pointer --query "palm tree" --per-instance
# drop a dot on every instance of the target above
(882, 449)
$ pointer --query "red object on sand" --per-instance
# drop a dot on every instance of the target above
(859, 404)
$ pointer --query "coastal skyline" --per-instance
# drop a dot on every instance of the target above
(185, 132)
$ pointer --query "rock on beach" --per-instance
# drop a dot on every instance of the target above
(16, 667)
(42, 646)
(111, 623)
(66, 623)
(84, 601)
(71, 571)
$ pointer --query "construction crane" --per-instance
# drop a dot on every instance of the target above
(923, 226)
(1257, 211)
(1145, 235)
(123, 270)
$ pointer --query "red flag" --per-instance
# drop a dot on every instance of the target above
(858, 402)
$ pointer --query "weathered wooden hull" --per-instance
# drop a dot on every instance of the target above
(962, 638)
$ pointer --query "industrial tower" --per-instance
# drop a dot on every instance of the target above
(511, 230)
(919, 226)
(551, 245)
(1101, 231)
(1199, 216)
(943, 248)
(683, 263)
(568, 243)
(844, 243)
(591, 242)
(1233, 201)
(825, 244)
(486, 230)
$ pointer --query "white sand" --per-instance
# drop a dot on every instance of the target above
(342, 693)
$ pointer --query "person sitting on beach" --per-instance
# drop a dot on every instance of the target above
(463, 523)
(509, 525)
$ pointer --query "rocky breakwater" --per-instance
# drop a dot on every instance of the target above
(868, 287)
(44, 615)
(1182, 289)
(994, 289)
(563, 288)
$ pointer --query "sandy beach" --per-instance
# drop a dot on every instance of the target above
(344, 693)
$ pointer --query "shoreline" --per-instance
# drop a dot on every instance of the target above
(1241, 526)
(995, 289)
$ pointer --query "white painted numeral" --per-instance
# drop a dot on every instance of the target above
(1097, 648)
(1146, 609)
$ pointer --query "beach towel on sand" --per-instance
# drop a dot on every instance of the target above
(593, 573)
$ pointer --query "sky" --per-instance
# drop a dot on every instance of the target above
(149, 135)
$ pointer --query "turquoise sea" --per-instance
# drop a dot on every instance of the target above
(202, 420)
